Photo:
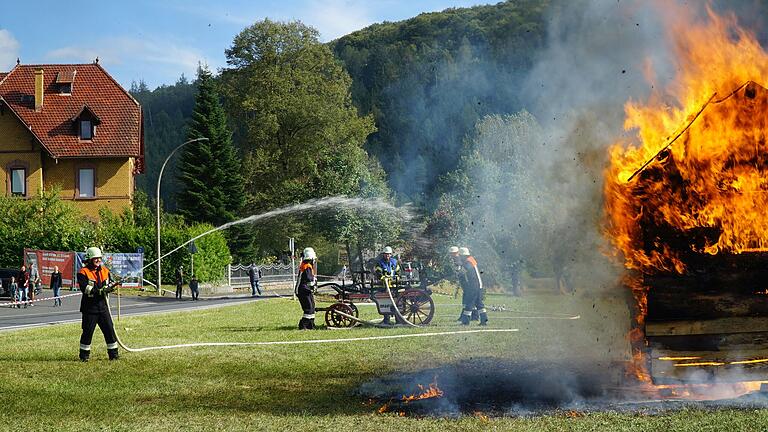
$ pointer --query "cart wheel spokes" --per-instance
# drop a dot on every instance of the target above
(416, 306)
(333, 319)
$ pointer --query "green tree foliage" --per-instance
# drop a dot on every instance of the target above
(167, 111)
(499, 203)
(209, 171)
(302, 136)
(41, 222)
(429, 79)
(136, 228)
(290, 99)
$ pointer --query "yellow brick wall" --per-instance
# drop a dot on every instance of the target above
(114, 176)
(114, 182)
(18, 144)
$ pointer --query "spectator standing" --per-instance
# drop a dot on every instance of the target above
(15, 294)
(56, 286)
(194, 287)
(179, 281)
(254, 275)
(34, 280)
(23, 281)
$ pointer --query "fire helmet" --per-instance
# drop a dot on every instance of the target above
(387, 250)
(464, 251)
(453, 250)
(309, 254)
(92, 252)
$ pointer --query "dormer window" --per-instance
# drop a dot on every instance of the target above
(64, 80)
(85, 123)
(86, 130)
(65, 89)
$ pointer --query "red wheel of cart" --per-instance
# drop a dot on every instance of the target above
(416, 306)
(334, 319)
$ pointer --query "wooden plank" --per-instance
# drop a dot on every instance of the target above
(708, 366)
(702, 327)
(710, 342)
(665, 305)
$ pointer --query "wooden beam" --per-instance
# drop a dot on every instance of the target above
(708, 366)
(702, 327)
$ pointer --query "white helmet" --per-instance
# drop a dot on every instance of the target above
(387, 250)
(464, 251)
(92, 252)
(453, 250)
(309, 254)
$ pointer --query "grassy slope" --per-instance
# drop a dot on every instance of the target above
(293, 387)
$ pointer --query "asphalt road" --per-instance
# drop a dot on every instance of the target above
(43, 313)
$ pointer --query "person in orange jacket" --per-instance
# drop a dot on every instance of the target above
(305, 289)
(94, 282)
(473, 288)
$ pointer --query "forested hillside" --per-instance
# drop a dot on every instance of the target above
(426, 81)
(167, 110)
(429, 79)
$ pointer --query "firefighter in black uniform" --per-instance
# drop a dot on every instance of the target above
(304, 290)
(94, 282)
(473, 289)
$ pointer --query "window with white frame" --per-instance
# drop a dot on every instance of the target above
(19, 181)
(86, 183)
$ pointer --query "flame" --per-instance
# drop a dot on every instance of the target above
(432, 391)
(700, 160)
(696, 167)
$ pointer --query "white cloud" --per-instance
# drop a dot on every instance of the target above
(335, 18)
(142, 54)
(9, 50)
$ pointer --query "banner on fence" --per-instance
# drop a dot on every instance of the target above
(46, 260)
(127, 266)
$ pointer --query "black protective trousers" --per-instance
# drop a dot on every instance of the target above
(307, 301)
(104, 321)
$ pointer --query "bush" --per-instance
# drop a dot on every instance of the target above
(41, 222)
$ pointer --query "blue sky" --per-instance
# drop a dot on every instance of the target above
(158, 40)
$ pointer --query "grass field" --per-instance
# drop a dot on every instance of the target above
(304, 387)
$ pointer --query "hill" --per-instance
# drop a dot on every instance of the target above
(429, 79)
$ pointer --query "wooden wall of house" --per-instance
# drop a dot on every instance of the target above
(18, 147)
(114, 182)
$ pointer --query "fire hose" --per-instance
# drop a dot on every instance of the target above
(304, 342)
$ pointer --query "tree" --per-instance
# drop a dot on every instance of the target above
(167, 111)
(290, 99)
(210, 171)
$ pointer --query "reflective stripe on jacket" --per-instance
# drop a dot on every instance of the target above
(94, 303)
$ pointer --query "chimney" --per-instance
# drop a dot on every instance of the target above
(39, 87)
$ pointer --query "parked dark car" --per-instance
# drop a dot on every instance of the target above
(5, 277)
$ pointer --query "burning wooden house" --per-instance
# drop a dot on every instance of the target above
(697, 240)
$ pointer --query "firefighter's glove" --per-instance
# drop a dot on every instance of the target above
(89, 289)
(108, 289)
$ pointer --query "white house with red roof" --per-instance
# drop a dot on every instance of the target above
(70, 126)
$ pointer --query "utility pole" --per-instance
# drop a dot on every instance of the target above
(159, 178)
(292, 248)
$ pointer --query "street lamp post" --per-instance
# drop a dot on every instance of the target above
(159, 178)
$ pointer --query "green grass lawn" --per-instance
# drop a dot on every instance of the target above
(303, 387)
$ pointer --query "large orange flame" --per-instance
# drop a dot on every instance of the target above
(695, 178)
(702, 141)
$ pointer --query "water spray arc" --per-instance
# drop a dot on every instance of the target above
(315, 204)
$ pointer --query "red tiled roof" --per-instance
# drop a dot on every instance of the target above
(2, 75)
(118, 134)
